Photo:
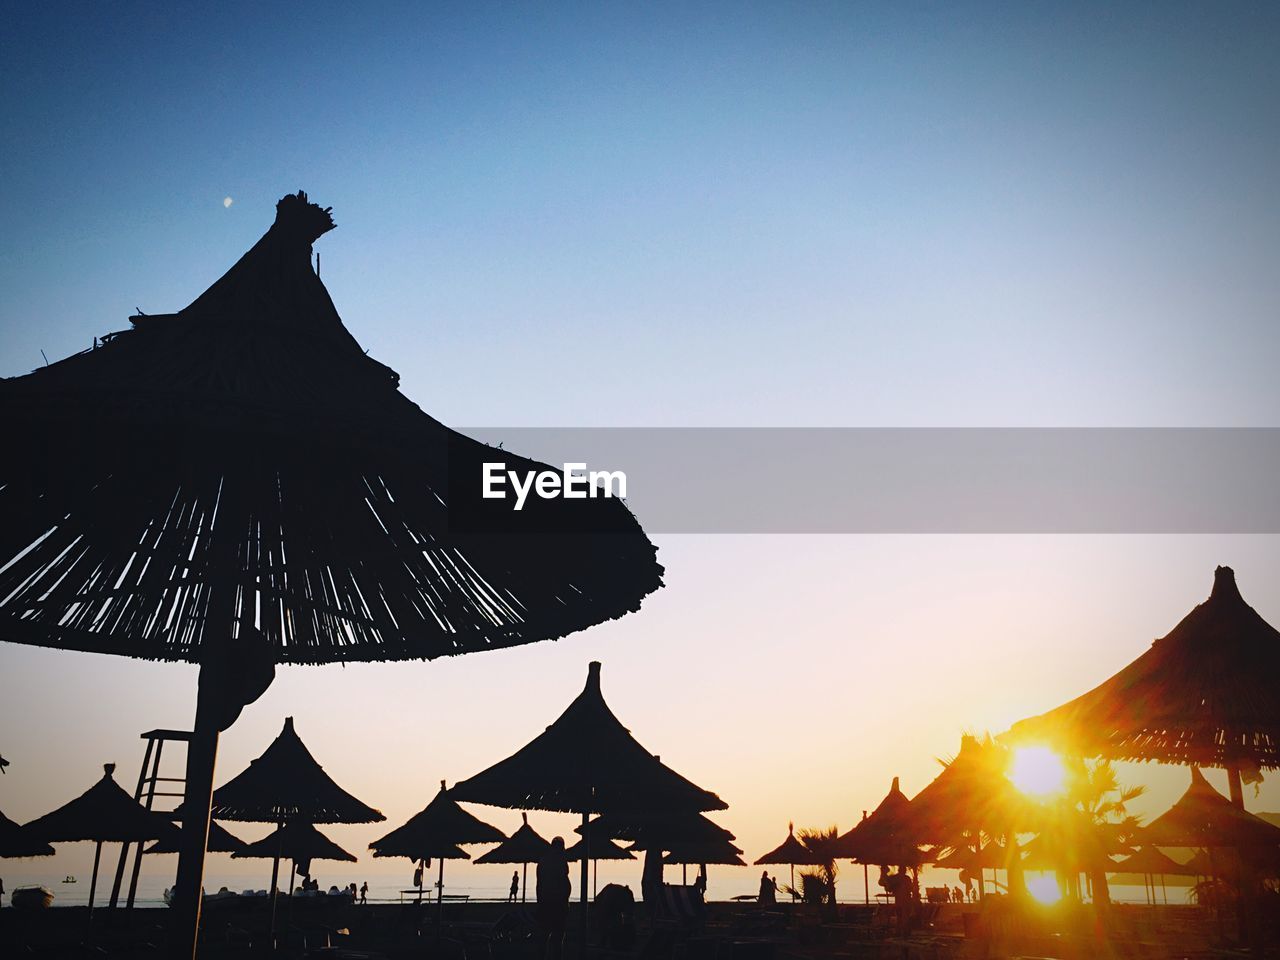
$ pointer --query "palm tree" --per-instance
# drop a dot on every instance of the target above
(1089, 825)
(822, 842)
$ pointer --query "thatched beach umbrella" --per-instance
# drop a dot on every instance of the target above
(791, 852)
(1151, 863)
(717, 852)
(600, 849)
(1202, 817)
(221, 840)
(656, 829)
(883, 837)
(586, 762)
(300, 842)
(286, 784)
(524, 847)
(239, 484)
(17, 841)
(438, 830)
(283, 786)
(970, 797)
(1207, 694)
(104, 813)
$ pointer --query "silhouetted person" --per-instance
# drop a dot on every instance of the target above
(553, 897)
(768, 890)
(651, 880)
(364, 893)
(515, 886)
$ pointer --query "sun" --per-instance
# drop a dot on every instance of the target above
(1037, 771)
(1044, 889)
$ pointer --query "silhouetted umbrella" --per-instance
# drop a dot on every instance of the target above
(221, 840)
(992, 856)
(791, 852)
(297, 840)
(1202, 817)
(436, 831)
(104, 814)
(882, 837)
(238, 484)
(720, 852)
(286, 784)
(524, 847)
(1205, 694)
(16, 841)
(600, 849)
(656, 828)
(972, 795)
(1151, 863)
(586, 762)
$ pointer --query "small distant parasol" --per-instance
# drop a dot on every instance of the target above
(524, 847)
(438, 830)
(103, 814)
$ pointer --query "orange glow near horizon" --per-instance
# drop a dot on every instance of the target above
(1038, 771)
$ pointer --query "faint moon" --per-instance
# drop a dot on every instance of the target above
(227, 201)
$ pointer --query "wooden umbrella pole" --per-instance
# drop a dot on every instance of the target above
(524, 883)
(586, 853)
(1236, 785)
(440, 898)
(202, 753)
(275, 875)
(93, 883)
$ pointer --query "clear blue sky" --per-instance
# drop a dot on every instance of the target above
(685, 214)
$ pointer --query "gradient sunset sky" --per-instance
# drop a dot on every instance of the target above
(684, 215)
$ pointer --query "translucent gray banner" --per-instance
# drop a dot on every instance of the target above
(837, 480)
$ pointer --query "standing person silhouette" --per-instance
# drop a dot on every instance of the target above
(768, 890)
(515, 886)
(364, 893)
(553, 897)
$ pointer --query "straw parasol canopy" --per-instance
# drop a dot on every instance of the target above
(16, 841)
(601, 849)
(334, 525)
(971, 794)
(103, 814)
(438, 830)
(585, 762)
(791, 852)
(238, 484)
(720, 852)
(221, 840)
(1202, 817)
(661, 830)
(524, 847)
(286, 784)
(882, 837)
(992, 856)
(297, 841)
(1205, 695)
(1150, 860)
